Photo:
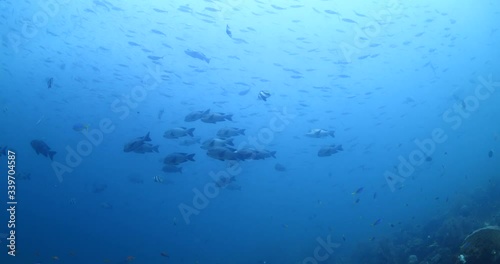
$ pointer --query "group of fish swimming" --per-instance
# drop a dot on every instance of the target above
(220, 147)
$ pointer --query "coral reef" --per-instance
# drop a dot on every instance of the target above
(482, 246)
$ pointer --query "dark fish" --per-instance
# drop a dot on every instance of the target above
(326, 151)
(99, 187)
(358, 191)
(222, 153)
(279, 167)
(158, 32)
(139, 145)
(49, 82)
(79, 127)
(160, 113)
(228, 31)
(230, 132)
(171, 169)
(185, 9)
(3, 151)
(277, 7)
(349, 20)
(178, 132)
(196, 115)
(41, 147)
(331, 12)
(377, 222)
(254, 154)
(358, 14)
(244, 92)
(197, 55)
(211, 9)
(224, 181)
(147, 147)
(216, 117)
(133, 44)
(177, 158)
(159, 10)
(490, 153)
(155, 57)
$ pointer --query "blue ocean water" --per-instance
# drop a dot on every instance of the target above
(359, 132)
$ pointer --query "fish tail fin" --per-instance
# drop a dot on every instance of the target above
(146, 137)
(230, 142)
(273, 154)
(155, 148)
(190, 157)
(332, 133)
(229, 117)
(206, 111)
(340, 148)
(180, 169)
(51, 154)
(207, 60)
(242, 132)
(190, 132)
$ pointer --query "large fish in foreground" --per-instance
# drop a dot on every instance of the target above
(41, 147)
(197, 55)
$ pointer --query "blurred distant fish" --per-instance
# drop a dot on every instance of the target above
(244, 92)
(254, 154)
(197, 55)
(160, 113)
(41, 147)
(326, 151)
(216, 117)
(490, 153)
(171, 169)
(263, 95)
(196, 115)
(349, 20)
(140, 145)
(190, 141)
(279, 167)
(79, 127)
(228, 31)
(178, 132)
(177, 158)
(319, 133)
(230, 132)
(224, 181)
(155, 57)
(358, 191)
(377, 222)
(217, 142)
(222, 153)
(49, 82)
(3, 151)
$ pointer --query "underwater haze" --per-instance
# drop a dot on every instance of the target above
(249, 132)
